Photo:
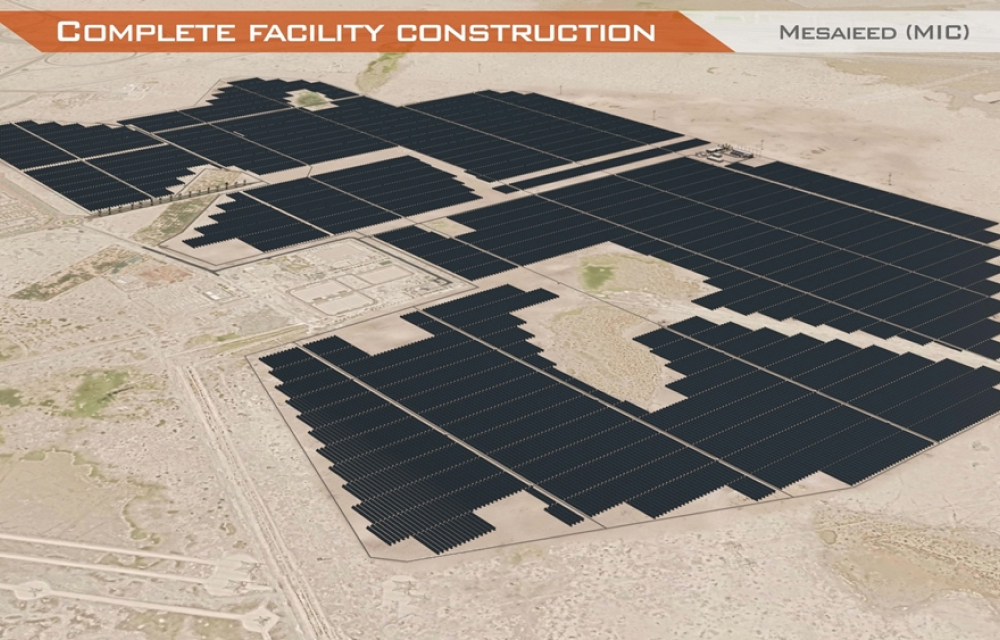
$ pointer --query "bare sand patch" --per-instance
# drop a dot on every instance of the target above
(386, 274)
(382, 334)
(448, 227)
(594, 343)
(894, 563)
(340, 304)
(108, 260)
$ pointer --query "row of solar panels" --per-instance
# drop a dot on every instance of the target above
(250, 124)
(239, 98)
(493, 135)
(122, 166)
(760, 406)
(143, 167)
(288, 213)
(769, 249)
(870, 198)
(359, 125)
(407, 475)
(259, 225)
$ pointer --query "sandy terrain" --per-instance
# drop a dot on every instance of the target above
(150, 489)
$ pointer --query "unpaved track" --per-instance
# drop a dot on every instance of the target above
(309, 617)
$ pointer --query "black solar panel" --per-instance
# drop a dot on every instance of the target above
(229, 150)
(882, 201)
(873, 380)
(302, 136)
(25, 151)
(90, 188)
(798, 254)
(482, 155)
(684, 145)
(760, 410)
(233, 102)
(447, 253)
(558, 136)
(255, 223)
(405, 186)
(411, 480)
(322, 206)
(569, 442)
(85, 142)
(162, 121)
(589, 117)
(785, 268)
(763, 409)
(154, 170)
(226, 102)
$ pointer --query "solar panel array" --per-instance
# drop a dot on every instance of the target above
(302, 136)
(280, 89)
(477, 381)
(229, 150)
(476, 413)
(889, 203)
(684, 145)
(558, 136)
(87, 142)
(163, 121)
(782, 408)
(319, 205)
(405, 186)
(480, 154)
(255, 223)
(770, 249)
(335, 202)
(226, 102)
(411, 480)
(26, 151)
(762, 411)
(152, 170)
(644, 133)
(87, 186)
(447, 253)
(251, 125)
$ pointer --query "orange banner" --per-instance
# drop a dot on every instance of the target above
(360, 31)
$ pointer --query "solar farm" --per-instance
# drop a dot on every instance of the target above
(828, 330)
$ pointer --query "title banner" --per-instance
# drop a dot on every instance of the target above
(508, 31)
(360, 31)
